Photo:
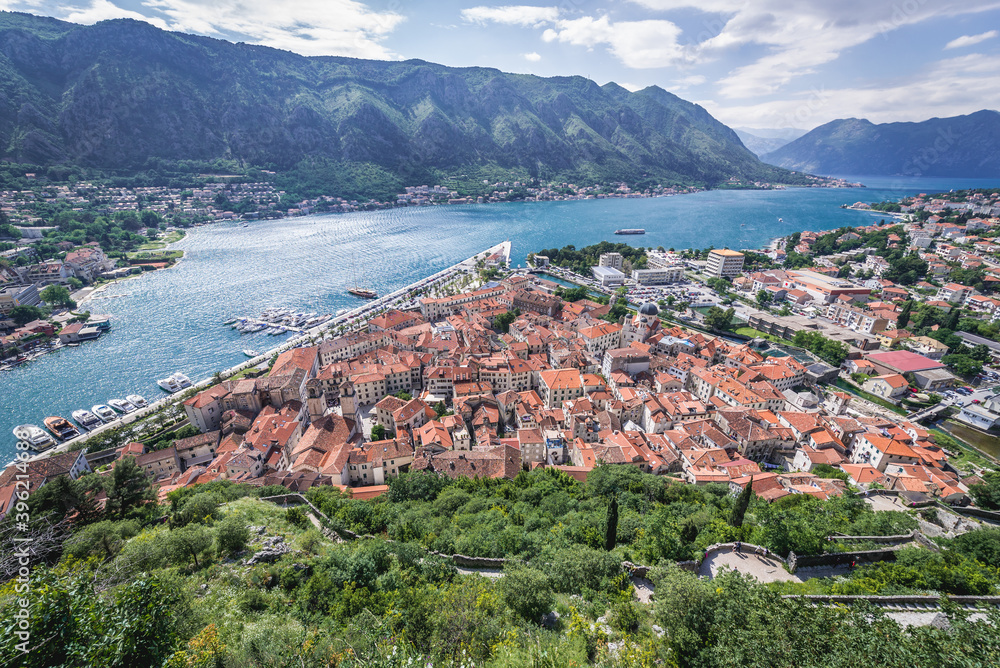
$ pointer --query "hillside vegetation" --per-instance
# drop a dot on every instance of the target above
(137, 584)
(124, 95)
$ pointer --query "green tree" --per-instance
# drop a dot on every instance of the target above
(987, 493)
(763, 298)
(981, 353)
(611, 525)
(128, 488)
(74, 282)
(718, 319)
(527, 592)
(232, 535)
(22, 315)
(189, 542)
(104, 539)
(503, 321)
(952, 321)
(56, 295)
(378, 433)
(964, 365)
(741, 505)
(904, 315)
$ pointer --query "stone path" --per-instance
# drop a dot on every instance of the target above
(765, 570)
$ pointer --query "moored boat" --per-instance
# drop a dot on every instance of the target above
(104, 412)
(137, 400)
(34, 436)
(121, 405)
(181, 379)
(169, 384)
(62, 428)
(86, 419)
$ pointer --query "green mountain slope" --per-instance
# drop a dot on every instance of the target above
(962, 146)
(123, 94)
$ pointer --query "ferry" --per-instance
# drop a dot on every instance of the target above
(86, 419)
(136, 400)
(61, 427)
(632, 231)
(104, 412)
(121, 405)
(34, 436)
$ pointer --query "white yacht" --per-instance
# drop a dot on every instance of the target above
(137, 400)
(104, 412)
(169, 384)
(34, 436)
(121, 405)
(251, 353)
(181, 379)
(86, 419)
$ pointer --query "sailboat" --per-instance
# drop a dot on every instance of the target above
(359, 291)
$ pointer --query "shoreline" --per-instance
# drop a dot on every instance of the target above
(352, 317)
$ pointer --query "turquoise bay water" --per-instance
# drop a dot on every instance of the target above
(171, 320)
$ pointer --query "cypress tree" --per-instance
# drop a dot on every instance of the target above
(742, 503)
(904, 315)
(611, 536)
(952, 321)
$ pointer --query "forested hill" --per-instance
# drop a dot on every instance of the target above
(123, 94)
(962, 146)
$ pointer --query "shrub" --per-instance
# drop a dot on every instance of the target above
(527, 592)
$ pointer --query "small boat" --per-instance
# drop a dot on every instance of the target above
(181, 379)
(104, 412)
(781, 220)
(251, 353)
(121, 405)
(137, 400)
(34, 436)
(86, 419)
(61, 427)
(169, 384)
(245, 225)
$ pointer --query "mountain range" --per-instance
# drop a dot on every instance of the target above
(961, 146)
(123, 94)
(765, 140)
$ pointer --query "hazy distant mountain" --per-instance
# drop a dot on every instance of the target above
(124, 94)
(765, 140)
(962, 146)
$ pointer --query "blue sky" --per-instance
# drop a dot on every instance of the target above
(765, 64)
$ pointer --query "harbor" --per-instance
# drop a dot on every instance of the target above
(351, 319)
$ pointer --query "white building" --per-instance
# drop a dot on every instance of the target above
(613, 260)
(724, 263)
(658, 276)
(608, 277)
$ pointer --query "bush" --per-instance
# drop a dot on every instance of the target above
(297, 517)
(232, 536)
(527, 592)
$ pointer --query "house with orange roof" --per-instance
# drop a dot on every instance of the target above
(889, 386)
(880, 451)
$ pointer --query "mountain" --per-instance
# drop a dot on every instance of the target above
(962, 146)
(122, 94)
(766, 140)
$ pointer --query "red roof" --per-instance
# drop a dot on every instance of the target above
(905, 361)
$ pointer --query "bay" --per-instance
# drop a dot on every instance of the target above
(171, 320)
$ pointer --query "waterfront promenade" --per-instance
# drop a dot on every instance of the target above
(349, 320)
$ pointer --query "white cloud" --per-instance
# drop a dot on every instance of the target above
(521, 15)
(970, 40)
(630, 86)
(102, 10)
(947, 88)
(799, 35)
(532, 57)
(333, 27)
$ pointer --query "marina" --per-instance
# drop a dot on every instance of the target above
(275, 321)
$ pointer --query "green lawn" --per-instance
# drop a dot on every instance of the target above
(163, 241)
(757, 334)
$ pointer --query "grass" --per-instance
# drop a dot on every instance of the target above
(757, 334)
(965, 453)
(153, 256)
(164, 241)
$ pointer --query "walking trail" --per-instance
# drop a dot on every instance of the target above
(764, 569)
